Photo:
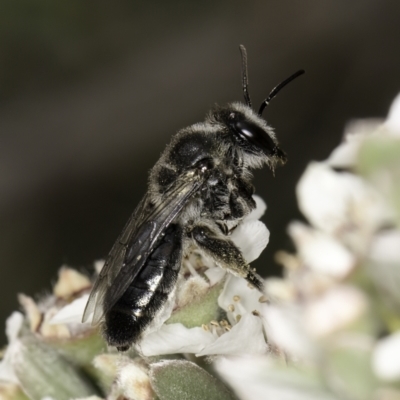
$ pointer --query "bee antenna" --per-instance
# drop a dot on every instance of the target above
(245, 79)
(277, 89)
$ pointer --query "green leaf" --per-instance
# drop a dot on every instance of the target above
(43, 372)
(349, 367)
(184, 380)
(81, 349)
(201, 311)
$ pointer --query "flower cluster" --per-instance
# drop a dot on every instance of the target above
(52, 355)
(328, 329)
(335, 315)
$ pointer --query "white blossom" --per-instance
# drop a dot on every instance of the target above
(236, 341)
(386, 357)
(342, 205)
(71, 313)
(13, 326)
(320, 251)
(285, 328)
(392, 122)
(240, 302)
(345, 155)
(174, 339)
(261, 378)
(332, 311)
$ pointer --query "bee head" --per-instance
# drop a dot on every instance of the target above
(248, 129)
(249, 133)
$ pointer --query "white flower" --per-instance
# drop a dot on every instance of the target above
(385, 247)
(392, 122)
(71, 313)
(251, 235)
(245, 337)
(386, 358)
(284, 325)
(240, 302)
(13, 326)
(252, 238)
(238, 299)
(341, 204)
(176, 338)
(321, 252)
(334, 310)
(384, 265)
(345, 155)
(257, 378)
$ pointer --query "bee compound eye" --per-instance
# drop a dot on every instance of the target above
(255, 135)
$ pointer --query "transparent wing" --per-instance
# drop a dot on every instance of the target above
(112, 266)
(135, 243)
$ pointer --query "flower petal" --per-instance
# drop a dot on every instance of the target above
(385, 247)
(246, 337)
(334, 310)
(13, 326)
(238, 294)
(71, 313)
(386, 357)
(393, 119)
(285, 328)
(251, 237)
(259, 211)
(321, 252)
(69, 283)
(175, 338)
(262, 378)
(341, 204)
(345, 155)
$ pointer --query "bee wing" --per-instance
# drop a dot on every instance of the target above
(135, 243)
(112, 266)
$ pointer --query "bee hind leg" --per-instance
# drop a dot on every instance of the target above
(226, 254)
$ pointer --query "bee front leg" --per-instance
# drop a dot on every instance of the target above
(226, 254)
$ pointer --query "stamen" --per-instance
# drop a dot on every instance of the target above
(249, 285)
(263, 299)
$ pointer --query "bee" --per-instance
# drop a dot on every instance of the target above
(198, 191)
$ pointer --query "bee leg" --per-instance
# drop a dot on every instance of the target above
(226, 254)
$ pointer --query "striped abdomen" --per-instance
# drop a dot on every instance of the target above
(133, 312)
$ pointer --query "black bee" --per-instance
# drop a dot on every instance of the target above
(198, 191)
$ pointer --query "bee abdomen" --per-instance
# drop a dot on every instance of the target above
(148, 292)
